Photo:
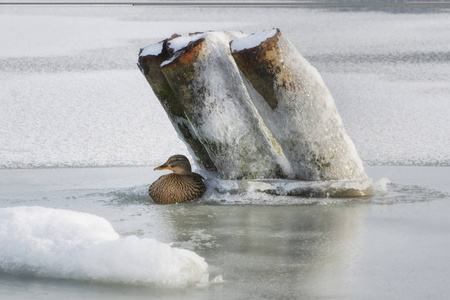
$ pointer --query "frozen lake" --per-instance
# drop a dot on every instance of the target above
(391, 247)
(80, 130)
(72, 95)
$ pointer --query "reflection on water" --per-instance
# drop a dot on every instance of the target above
(273, 251)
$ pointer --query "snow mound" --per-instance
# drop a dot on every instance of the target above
(73, 245)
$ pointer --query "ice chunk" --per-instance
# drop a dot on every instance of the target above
(380, 186)
(73, 245)
(283, 191)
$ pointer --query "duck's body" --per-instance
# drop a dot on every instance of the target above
(180, 186)
(174, 188)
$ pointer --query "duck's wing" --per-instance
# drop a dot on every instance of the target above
(196, 175)
(156, 189)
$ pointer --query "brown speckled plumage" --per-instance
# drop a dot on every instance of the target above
(180, 186)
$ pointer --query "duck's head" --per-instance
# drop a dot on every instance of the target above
(178, 163)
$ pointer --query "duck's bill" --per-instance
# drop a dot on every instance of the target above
(163, 167)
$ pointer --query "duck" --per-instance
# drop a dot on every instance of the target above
(182, 185)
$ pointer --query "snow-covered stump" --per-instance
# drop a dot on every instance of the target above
(150, 59)
(207, 82)
(297, 107)
(259, 111)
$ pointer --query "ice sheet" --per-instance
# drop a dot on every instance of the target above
(72, 95)
(50, 35)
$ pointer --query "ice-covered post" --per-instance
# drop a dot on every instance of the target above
(150, 59)
(207, 82)
(297, 107)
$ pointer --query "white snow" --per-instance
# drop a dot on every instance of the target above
(73, 245)
(182, 41)
(166, 62)
(179, 43)
(153, 49)
(251, 41)
(88, 126)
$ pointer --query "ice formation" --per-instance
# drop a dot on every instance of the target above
(73, 245)
(280, 191)
(258, 108)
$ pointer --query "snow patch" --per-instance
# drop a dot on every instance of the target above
(153, 49)
(251, 41)
(73, 245)
(183, 41)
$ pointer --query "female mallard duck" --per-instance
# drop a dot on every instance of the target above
(181, 186)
